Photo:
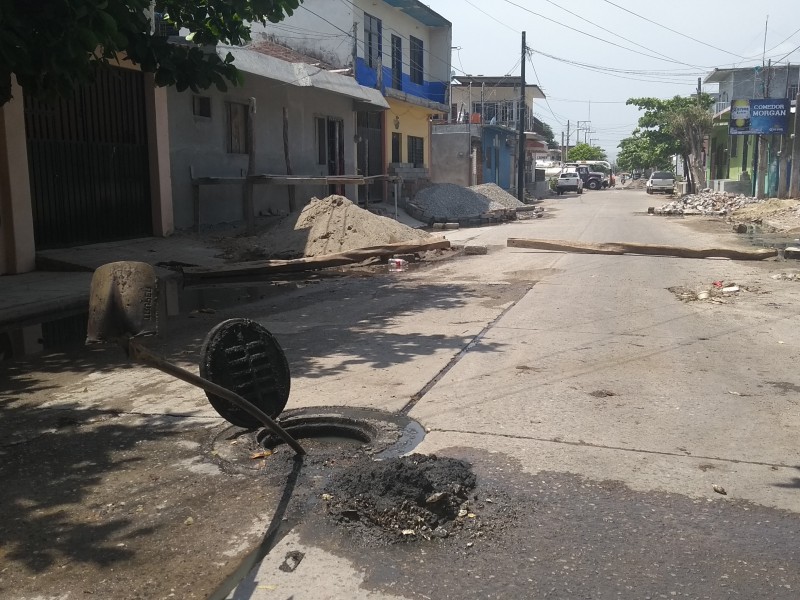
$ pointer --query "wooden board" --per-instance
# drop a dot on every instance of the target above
(254, 269)
(648, 249)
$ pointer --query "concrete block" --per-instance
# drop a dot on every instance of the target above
(451, 225)
(475, 249)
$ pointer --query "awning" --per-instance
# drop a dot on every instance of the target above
(304, 75)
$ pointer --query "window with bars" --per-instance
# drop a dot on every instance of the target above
(793, 91)
(417, 51)
(416, 151)
(373, 41)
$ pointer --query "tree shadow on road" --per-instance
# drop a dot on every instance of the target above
(53, 461)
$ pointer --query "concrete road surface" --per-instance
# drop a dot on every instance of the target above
(597, 399)
(603, 409)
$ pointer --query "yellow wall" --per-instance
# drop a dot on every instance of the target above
(411, 120)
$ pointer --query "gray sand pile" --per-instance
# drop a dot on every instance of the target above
(497, 194)
(447, 201)
(330, 225)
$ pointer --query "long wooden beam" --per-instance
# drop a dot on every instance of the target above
(258, 268)
(647, 249)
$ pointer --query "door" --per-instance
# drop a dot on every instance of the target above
(88, 162)
(397, 147)
(369, 130)
(336, 152)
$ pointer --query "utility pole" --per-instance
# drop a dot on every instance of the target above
(699, 90)
(521, 127)
(564, 158)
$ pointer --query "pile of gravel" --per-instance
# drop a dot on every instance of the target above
(497, 194)
(707, 202)
(450, 202)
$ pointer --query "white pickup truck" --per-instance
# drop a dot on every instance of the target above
(569, 181)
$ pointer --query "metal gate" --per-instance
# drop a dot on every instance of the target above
(88, 162)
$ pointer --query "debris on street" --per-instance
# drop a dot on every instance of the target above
(719, 489)
(706, 202)
(404, 499)
(497, 194)
(324, 226)
(450, 203)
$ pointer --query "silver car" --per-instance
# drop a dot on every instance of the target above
(660, 181)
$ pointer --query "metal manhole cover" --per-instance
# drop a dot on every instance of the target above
(242, 356)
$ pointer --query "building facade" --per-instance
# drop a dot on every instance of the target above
(400, 47)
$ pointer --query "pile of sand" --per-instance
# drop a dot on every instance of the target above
(330, 225)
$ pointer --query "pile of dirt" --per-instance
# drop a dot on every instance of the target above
(404, 499)
(324, 226)
(773, 214)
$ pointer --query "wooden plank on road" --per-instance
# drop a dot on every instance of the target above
(647, 249)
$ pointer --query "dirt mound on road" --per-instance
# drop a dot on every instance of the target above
(324, 226)
(497, 194)
(779, 215)
(404, 499)
(450, 202)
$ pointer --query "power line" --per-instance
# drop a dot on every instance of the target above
(529, 54)
(604, 40)
(604, 70)
(688, 37)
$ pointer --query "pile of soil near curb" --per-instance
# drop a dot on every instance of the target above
(323, 226)
(404, 499)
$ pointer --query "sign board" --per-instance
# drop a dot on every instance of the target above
(759, 116)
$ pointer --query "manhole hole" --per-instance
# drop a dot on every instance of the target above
(324, 432)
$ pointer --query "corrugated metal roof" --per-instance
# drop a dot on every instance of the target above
(301, 75)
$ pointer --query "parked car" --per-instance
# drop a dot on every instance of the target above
(660, 181)
(569, 181)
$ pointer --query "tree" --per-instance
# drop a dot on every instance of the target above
(545, 130)
(51, 46)
(639, 153)
(670, 127)
(586, 152)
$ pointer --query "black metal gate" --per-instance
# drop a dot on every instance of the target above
(88, 163)
(370, 154)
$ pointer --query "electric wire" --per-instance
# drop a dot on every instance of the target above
(661, 58)
(688, 37)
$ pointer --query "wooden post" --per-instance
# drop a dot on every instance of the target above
(286, 157)
(249, 207)
(794, 190)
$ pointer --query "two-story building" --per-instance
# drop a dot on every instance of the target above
(400, 47)
(488, 111)
(732, 160)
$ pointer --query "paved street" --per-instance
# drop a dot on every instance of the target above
(597, 407)
(607, 409)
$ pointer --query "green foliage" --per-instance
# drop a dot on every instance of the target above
(53, 45)
(586, 152)
(545, 130)
(656, 140)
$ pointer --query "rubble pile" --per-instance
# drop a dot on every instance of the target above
(449, 202)
(706, 202)
(497, 194)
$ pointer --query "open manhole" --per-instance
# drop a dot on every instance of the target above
(325, 432)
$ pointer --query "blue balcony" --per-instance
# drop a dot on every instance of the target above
(433, 91)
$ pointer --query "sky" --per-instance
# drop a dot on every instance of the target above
(622, 55)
